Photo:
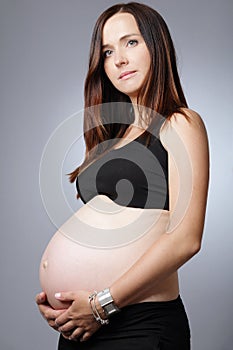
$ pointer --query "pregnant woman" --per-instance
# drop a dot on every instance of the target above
(144, 183)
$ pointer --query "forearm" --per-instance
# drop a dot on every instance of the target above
(158, 263)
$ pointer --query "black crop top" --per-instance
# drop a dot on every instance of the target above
(134, 175)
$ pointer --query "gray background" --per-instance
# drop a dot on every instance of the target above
(44, 50)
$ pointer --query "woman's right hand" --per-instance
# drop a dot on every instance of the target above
(48, 313)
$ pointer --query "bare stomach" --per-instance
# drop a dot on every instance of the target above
(97, 245)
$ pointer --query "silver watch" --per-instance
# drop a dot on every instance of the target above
(107, 303)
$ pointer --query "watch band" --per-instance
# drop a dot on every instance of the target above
(106, 302)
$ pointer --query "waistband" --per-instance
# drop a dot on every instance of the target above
(155, 304)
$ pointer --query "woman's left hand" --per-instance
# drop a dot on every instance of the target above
(78, 320)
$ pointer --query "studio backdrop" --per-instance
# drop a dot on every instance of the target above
(43, 62)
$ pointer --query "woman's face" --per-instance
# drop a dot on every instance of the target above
(126, 56)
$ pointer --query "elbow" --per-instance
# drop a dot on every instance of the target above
(194, 248)
(193, 244)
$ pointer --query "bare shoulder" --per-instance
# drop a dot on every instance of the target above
(188, 125)
(192, 117)
(189, 118)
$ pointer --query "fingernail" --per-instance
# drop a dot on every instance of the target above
(58, 295)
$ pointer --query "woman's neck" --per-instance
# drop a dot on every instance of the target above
(140, 119)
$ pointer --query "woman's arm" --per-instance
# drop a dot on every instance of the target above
(187, 145)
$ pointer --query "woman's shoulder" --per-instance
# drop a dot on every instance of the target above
(185, 117)
(185, 123)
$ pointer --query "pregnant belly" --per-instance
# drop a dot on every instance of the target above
(69, 265)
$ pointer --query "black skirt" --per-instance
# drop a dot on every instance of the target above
(143, 326)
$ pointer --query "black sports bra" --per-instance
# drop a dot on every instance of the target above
(134, 175)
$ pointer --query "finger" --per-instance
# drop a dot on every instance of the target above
(67, 336)
(46, 312)
(41, 298)
(62, 318)
(52, 321)
(77, 333)
(49, 313)
(58, 313)
(85, 336)
(67, 327)
(53, 324)
(65, 296)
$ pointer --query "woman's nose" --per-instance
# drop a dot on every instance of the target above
(120, 59)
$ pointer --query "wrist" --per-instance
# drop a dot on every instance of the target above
(100, 309)
(107, 303)
(96, 310)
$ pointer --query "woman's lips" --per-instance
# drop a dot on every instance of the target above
(127, 75)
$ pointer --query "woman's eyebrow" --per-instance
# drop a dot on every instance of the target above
(121, 39)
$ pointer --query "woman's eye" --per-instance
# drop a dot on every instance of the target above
(132, 43)
(107, 53)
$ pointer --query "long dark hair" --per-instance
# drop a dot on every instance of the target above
(161, 92)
